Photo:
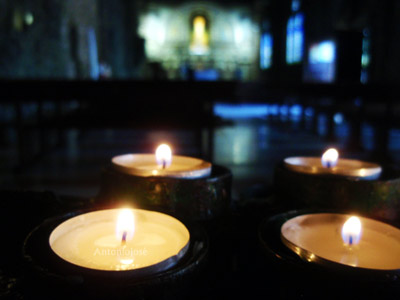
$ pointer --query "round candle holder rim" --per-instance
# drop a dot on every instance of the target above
(44, 261)
(381, 179)
(201, 167)
(104, 209)
(103, 215)
(269, 235)
(372, 171)
(218, 172)
(392, 177)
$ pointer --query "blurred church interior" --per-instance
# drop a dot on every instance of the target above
(240, 83)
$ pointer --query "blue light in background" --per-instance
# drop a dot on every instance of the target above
(338, 118)
(296, 110)
(240, 111)
(206, 75)
(321, 62)
(274, 109)
(309, 112)
(365, 57)
(322, 124)
(251, 110)
(294, 39)
(358, 102)
(367, 136)
(266, 44)
(284, 110)
(323, 52)
(394, 139)
(295, 5)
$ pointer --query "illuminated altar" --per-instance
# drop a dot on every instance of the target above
(201, 40)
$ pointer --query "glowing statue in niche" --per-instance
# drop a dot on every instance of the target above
(200, 41)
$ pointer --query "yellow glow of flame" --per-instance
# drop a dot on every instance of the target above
(330, 158)
(164, 155)
(200, 41)
(125, 224)
(351, 231)
(199, 24)
(126, 261)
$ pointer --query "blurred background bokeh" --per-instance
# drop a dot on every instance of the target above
(240, 83)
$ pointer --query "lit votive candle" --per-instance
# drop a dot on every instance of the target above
(331, 164)
(343, 239)
(121, 239)
(163, 164)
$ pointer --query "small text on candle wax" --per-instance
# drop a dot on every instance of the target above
(121, 252)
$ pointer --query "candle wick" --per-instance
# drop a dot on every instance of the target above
(328, 164)
(164, 163)
(350, 240)
(124, 234)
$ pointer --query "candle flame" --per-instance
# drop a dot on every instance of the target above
(351, 231)
(330, 158)
(125, 225)
(164, 156)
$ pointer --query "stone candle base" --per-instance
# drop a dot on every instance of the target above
(194, 199)
(378, 198)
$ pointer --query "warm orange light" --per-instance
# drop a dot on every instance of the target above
(164, 156)
(125, 228)
(330, 158)
(351, 231)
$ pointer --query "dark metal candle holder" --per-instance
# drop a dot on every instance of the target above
(49, 275)
(302, 278)
(377, 198)
(195, 199)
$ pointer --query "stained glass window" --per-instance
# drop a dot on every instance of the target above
(295, 39)
(266, 51)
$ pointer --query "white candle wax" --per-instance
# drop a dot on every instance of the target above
(146, 165)
(92, 241)
(317, 236)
